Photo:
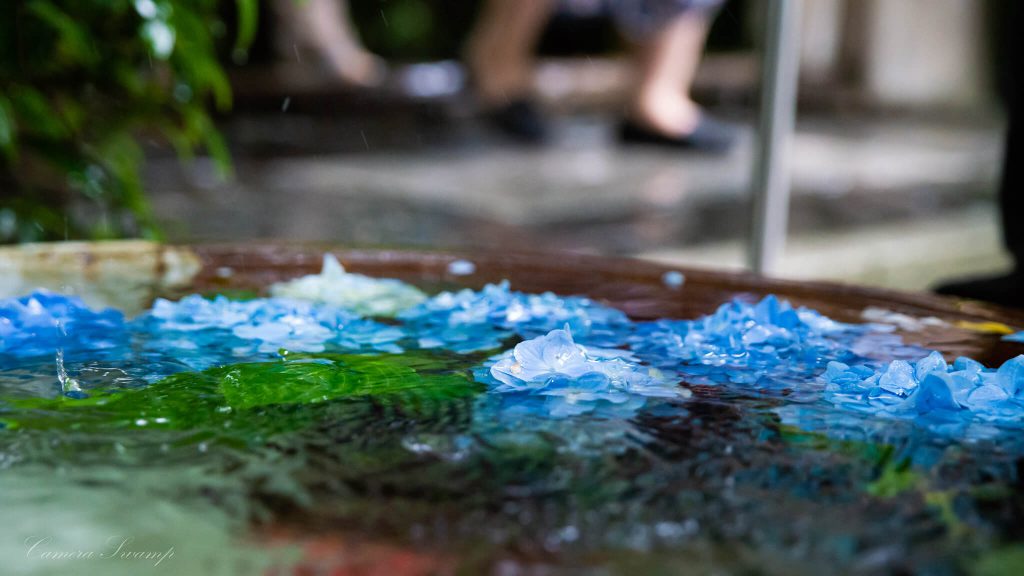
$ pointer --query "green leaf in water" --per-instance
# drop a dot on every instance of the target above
(309, 381)
(895, 477)
(248, 402)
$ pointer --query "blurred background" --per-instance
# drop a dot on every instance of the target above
(216, 121)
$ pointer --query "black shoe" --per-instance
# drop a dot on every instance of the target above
(710, 136)
(521, 120)
(1007, 290)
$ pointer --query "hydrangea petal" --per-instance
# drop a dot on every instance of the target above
(361, 294)
(227, 329)
(768, 344)
(939, 393)
(473, 320)
(574, 379)
(43, 322)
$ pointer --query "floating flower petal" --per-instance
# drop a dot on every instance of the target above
(554, 375)
(468, 320)
(769, 344)
(362, 294)
(209, 331)
(931, 391)
(43, 322)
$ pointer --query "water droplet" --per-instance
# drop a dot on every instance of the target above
(673, 279)
(160, 38)
(183, 93)
(461, 268)
(146, 8)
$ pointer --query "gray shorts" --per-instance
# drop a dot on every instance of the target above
(639, 19)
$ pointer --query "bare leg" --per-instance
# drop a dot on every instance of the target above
(501, 47)
(323, 28)
(667, 67)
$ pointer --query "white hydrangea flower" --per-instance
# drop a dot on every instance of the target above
(356, 292)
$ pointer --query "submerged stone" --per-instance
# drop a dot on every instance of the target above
(362, 294)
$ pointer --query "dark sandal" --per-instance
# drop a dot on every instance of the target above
(521, 120)
(710, 135)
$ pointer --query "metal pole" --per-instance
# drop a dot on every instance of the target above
(771, 179)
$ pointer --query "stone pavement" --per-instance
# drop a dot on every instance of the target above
(878, 200)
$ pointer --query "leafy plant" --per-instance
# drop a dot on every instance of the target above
(82, 83)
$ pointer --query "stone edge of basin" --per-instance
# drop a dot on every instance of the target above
(150, 268)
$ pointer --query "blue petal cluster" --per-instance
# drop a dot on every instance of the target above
(207, 332)
(469, 321)
(555, 376)
(769, 344)
(43, 322)
(931, 391)
(571, 361)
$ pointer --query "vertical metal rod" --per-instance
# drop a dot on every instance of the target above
(771, 178)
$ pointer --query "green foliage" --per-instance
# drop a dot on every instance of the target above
(81, 83)
(1006, 561)
(414, 30)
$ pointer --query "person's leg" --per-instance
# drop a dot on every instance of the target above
(667, 66)
(323, 29)
(1007, 289)
(500, 52)
(1011, 195)
(669, 37)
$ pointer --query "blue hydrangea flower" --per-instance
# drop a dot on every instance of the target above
(468, 320)
(211, 332)
(769, 344)
(940, 395)
(43, 322)
(555, 376)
